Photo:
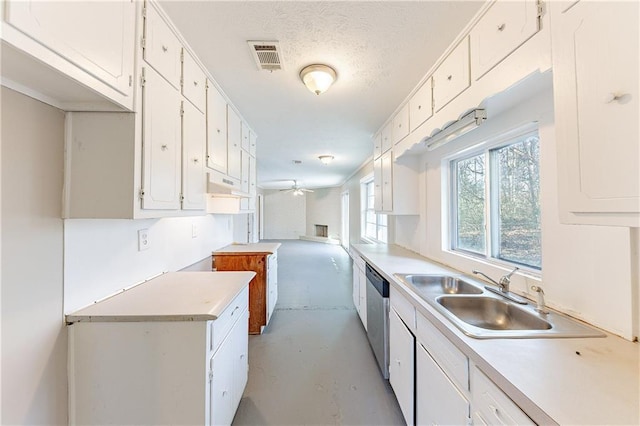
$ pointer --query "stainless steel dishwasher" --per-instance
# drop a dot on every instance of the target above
(378, 318)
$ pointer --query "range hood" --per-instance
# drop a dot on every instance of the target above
(224, 186)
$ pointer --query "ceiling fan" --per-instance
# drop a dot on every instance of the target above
(296, 190)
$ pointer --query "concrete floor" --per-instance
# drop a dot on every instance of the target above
(313, 364)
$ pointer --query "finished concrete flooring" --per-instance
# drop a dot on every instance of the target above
(313, 364)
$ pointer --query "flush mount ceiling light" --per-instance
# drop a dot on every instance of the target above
(456, 129)
(318, 78)
(326, 159)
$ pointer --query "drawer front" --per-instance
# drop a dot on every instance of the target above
(401, 124)
(162, 48)
(225, 321)
(193, 82)
(492, 404)
(452, 76)
(387, 135)
(449, 358)
(506, 26)
(405, 309)
(421, 105)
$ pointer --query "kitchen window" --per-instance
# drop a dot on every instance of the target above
(374, 225)
(495, 201)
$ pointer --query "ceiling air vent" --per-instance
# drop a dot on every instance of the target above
(266, 54)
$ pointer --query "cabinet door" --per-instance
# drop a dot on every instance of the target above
(194, 81)
(452, 76)
(387, 137)
(246, 137)
(221, 385)
(162, 49)
(161, 143)
(401, 364)
(504, 28)
(401, 124)
(377, 182)
(216, 130)
(98, 37)
(438, 401)
(356, 285)
(377, 146)
(387, 182)
(595, 69)
(234, 138)
(252, 176)
(193, 140)
(363, 296)
(421, 105)
(253, 140)
(245, 170)
(240, 339)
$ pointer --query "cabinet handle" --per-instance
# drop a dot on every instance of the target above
(450, 77)
(218, 130)
(164, 147)
(617, 97)
(234, 310)
(399, 125)
(195, 83)
(495, 411)
(195, 160)
(419, 107)
(164, 48)
(501, 27)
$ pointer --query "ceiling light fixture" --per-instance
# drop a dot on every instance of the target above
(318, 78)
(326, 159)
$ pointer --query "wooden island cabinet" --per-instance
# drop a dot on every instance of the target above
(261, 258)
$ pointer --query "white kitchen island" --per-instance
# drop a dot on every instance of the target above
(172, 350)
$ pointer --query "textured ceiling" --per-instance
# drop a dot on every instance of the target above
(380, 51)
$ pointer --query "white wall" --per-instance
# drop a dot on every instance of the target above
(355, 214)
(284, 215)
(102, 257)
(587, 270)
(323, 208)
(34, 338)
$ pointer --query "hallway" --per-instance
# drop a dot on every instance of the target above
(313, 364)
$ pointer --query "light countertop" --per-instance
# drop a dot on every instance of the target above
(174, 296)
(554, 380)
(253, 248)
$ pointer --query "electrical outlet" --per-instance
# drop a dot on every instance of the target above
(194, 231)
(143, 239)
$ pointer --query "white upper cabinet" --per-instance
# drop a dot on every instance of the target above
(162, 49)
(401, 124)
(193, 142)
(595, 71)
(216, 130)
(162, 145)
(396, 185)
(194, 81)
(85, 52)
(421, 105)
(387, 137)
(505, 26)
(377, 145)
(246, 167)
(234, 144)
(253, 143)
(246, 138)
(452, 76)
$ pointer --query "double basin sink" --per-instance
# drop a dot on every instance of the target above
(482, 314)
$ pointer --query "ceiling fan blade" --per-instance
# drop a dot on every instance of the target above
(306, 190)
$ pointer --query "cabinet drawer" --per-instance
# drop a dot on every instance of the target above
(401, 124)
(403, 307)
(193, 82)
(421, 105)
(162, 48)
(452, 76)
(229, 316)
(493, 406)
(506, 26)
(449, 358)
(387, 135)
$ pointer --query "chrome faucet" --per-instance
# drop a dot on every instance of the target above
(503, 286)
(541, 307)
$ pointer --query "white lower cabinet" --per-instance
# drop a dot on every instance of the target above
(360, 288)
(438, 400)
(401, 365)
(272, 284)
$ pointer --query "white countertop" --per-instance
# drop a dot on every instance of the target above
(574, 381)
(174, 296)
(248, 248)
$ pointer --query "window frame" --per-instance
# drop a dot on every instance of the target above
(364, 209)
(492, 197)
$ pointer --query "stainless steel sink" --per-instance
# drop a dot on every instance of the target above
(492, 314)
(484, 315)
(441, 284)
